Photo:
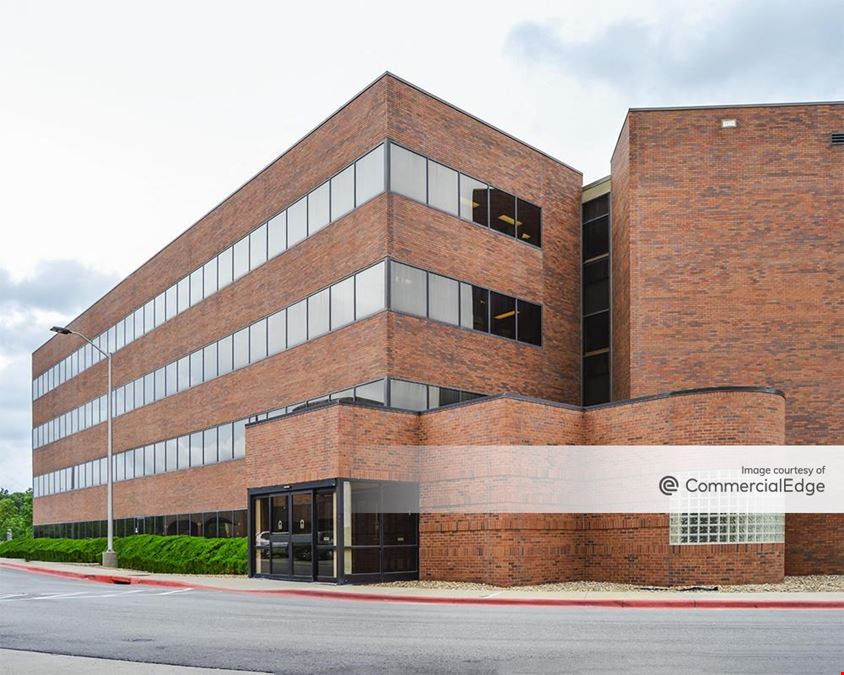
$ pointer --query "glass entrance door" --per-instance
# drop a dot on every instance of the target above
(302, 537)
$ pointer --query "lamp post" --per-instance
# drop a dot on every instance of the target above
(109, 555)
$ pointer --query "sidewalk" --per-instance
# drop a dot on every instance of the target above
(640, 599)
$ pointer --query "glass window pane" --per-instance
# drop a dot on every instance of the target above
(443, 188)
(130, 464)
(139, 463)
(241, 257)
(171, 446)
(183, 368)
(196, 368)
(408, 291)
(171, 304)
(209, 442)
(342, 303)
(440, 396)
(240, 439)
(149, 316)
(369, 291)
(184, 452)
(318, 321)
(369, 175)
(529, 322)
(183, 292)
(596, 379)
(196, 287)
(319, 212)
(149, 460)
(139, 392)
(209, 277)
(408, 395)
(225, 262)
(277, 234)
(171, 379)
(502, 211)
(443, 299)
(297, 222)
(160, 457)
(474, 307)
(474, 200)
(160, 388)
(258, 341)
(258, 247)
(160, 312)
(407, 173)
(503, 313)
(343, 193)
(596, 238)
(196, 449)
(241, 348)
(119, 342)
(277, 332)
(209, 360)
(596, 332)
(129, 396)
(297, 323)
(372, 392)
(528, 222)
(224, 354)
(225, 442)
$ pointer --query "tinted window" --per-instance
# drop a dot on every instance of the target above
(297, 222)
(258, 341)
(209, 361)
(224, 355)
(443, 299)
(408, 395)
(343, 193)
(343, 303)
(502, 211)
(369, 291)
(241, 348)
(596, 238)
(277, 332)
(224, 442)
(241, 257)
(596, 286)
(473, 200)
(209, 446)
(474, 307)
(319, 210)
(196, 286)
(443, 188)
(297, 323)
(529, 322)
(196, 368)
(596, 332)
(318, 321)
(528, 222)
(440, 396)
(209, 277)
(503, 315)
(183, 367)
(258, 247)
(596, 379)
(224, 268)
(408, 289)
(407, 173)
(277, 234)
(183, 291)
(369, 175)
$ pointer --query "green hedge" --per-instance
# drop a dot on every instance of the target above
(179, 555)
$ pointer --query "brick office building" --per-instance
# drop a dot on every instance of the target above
(407, 278)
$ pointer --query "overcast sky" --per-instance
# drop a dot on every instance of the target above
(122, 123)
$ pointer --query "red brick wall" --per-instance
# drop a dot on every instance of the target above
(728, 245)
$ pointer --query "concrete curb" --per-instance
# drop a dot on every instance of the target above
(433, 600)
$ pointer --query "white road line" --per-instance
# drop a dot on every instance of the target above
(10, 596)
(114, 595)
(178, 590)
(58, 595)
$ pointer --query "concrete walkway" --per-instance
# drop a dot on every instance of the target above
(242, 584)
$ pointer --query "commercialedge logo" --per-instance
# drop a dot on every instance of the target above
(668, 485)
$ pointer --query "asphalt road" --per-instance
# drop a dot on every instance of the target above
(285, 635)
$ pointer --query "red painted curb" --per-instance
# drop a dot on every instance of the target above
(422, 599)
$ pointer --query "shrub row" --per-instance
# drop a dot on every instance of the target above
(151, 553)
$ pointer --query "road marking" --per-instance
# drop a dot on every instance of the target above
(7, 596)
(492, 595)
(178, 590)
(58, 595)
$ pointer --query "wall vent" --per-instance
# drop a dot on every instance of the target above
(837, 137)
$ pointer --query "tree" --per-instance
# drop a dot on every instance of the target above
(15, 514)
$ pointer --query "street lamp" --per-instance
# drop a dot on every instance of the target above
(109, 555)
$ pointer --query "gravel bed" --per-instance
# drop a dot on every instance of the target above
(808, 584)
